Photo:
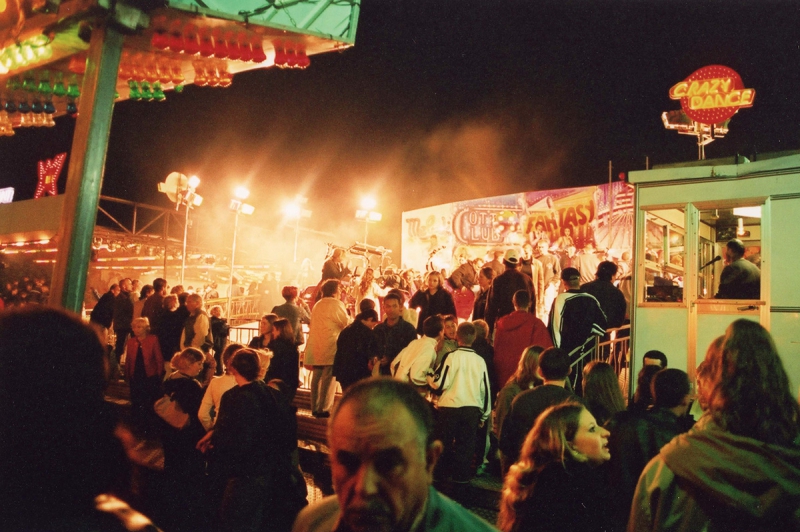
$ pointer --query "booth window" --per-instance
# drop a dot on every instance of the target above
(717, 227)
(664, 255)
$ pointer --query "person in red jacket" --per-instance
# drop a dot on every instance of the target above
(144, 369)
(514, 333)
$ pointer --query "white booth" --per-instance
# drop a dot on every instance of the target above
(685, 215)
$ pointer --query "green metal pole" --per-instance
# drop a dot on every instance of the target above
(87, 161)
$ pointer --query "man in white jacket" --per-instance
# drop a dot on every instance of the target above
(462, 382)
(415, 361)
(328, 318)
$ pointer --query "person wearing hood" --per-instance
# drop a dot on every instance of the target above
(738, 468)
(514, 333)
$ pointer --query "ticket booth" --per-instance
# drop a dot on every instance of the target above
(685, 215)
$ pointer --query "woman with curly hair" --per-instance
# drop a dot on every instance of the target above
(368, 288)
(737, 468)
(554, 486)
(601, 392)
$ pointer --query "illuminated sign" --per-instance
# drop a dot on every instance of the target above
(712, 94)
(6, 194)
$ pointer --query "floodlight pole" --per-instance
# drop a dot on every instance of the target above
(296, 235)
(185, 234)
(233, 254)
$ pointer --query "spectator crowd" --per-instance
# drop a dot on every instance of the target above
(430, 400)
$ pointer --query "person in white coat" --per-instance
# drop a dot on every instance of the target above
(328, 318)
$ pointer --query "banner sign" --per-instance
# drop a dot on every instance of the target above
(712, 94)
(435, 237)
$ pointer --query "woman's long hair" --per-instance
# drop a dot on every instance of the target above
(528, 367)
(366, 281)
(748, 393)
(285, 330)
(601, 390)
(546, 443)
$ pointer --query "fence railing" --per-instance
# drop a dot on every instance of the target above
(243, 308)
(613, 348)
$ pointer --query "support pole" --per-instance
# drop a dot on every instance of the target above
(87, 162)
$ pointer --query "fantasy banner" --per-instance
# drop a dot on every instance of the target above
(566, 219)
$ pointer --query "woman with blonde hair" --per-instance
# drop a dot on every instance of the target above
(525, 378)
(144, 367)
(184, 465)
(554, 486)
(433, 300)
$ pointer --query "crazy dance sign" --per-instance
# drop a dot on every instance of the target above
(712, 94)
(567, 219)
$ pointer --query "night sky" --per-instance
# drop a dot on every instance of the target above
(442, 101)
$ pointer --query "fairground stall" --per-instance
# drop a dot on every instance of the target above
(685, 215)
(78, 57)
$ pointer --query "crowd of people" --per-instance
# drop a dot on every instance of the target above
(430, 401)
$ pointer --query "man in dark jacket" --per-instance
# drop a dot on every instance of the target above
(554, 370)
(394, 333)
(355, 349)
(103, 311)
(123, 315)
(499, 301)
(251, 470)
(611, 299)
(637, 437)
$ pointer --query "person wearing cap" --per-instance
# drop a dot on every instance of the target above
(499, 301)
(575, 319)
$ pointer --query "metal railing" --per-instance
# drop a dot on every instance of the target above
(243, 308)
(613, 348)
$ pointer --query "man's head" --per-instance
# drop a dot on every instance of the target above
(542, 247)
(481, 329)
(246, 363)
(330, 288)
(382, 455)
(571, 278)
(289, 293)
(606, 270)
(670, 389)
(511, 258)
(433, 326)
(194, 303)
(126, 284)
(465, 334)
(485, 277)
(368, 317)
(554, 364)
(114, 289)
(734, 250)
(392, 306)
(521, 300)
(160, 286)
(654, 357)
